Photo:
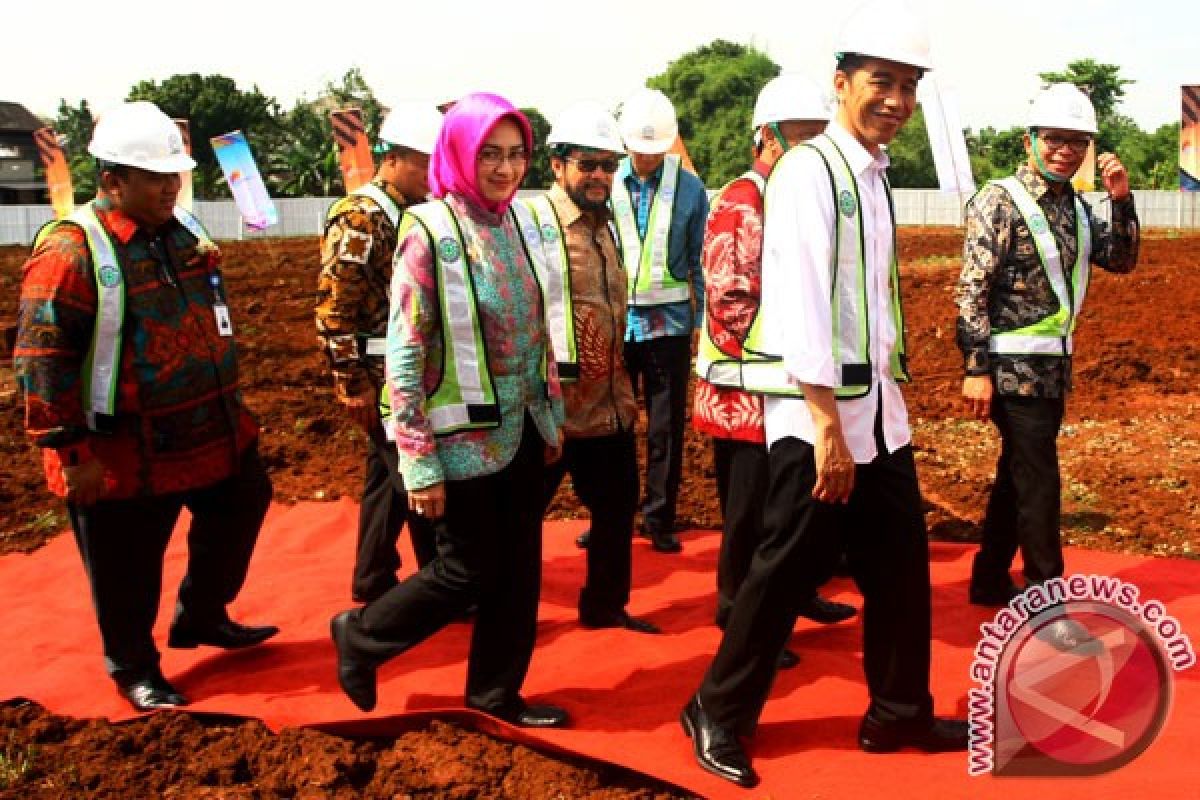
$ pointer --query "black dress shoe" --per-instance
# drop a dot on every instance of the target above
(356, 679)
(717, 749)
(933, 735)
(527, 716)
(993, 597)
(826, 612)
(788, 659)
(620, 619)
(151, 693)
(584, 539)
(228, 634)
(665, 542)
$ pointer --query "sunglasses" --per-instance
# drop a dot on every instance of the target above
(1076, 144)
(587, 165)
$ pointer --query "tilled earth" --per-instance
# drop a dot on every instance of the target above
(1130, 464)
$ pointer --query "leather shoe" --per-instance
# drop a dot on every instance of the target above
(665, 542)
(1069, 636)
(717, 749)
(826, 612)
(527, 716)
(932, 735)
(584, 539)
(621, 619)
(993, 598)
(788, 659)
(356, 679)
(152, 692)
(228, 634)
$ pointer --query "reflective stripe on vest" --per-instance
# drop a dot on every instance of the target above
(1051, 335)
(385, 203)
(650, 280)
(101, 366)
(851, 335)
(465, 398)
(547, 239)
(713, 364)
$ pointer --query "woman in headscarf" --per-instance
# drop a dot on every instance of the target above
(475, 410)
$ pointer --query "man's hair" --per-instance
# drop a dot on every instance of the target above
(850, 63)
(102, 166)
(564, 149)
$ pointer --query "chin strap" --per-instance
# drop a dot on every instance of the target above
(1041, 165)
(783, 143)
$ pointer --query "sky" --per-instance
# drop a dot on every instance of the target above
(987, 53)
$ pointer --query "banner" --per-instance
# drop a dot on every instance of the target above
(1189, 141)
(58, 174)
(354, 148)
(185, 178)
(680, 149)
(946, 139)
(242, 175)
(1084, 179)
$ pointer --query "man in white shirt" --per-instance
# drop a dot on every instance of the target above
(841, 460)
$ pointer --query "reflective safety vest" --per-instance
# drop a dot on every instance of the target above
(381, 198)
(555, 278)
(465, 397)
(712, 363)
(102, 366)
(1052, 335)
(851, 333)
(650, 280)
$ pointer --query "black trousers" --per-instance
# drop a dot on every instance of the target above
(123, 543)
(659, 369)
(888, 555)
(604, 474)
(1024, 509)
(381, 515)
(489, 552)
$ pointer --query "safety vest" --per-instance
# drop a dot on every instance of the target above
(555, 279)
(851, 334)
(102, 366)
(713, 364)
(1052, 335)
(650, 280)
(381, 198)
(465, 397)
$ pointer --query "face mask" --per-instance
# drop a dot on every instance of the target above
(1041, 165)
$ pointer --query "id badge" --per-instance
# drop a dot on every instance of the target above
(224, 323)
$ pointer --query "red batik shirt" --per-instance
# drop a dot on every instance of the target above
(733, 286)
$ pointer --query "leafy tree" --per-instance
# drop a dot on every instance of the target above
(213, 105)
(911, 156)
(539, 176)
(995, 154)
(713, 89)
(74, 127)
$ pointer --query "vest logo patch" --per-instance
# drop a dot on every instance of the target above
(110, 276)
(846, 203)
(448, 250)
(1038, 224)
(549, 233)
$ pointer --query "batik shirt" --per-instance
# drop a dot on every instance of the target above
(352, 291)
(1003, 285)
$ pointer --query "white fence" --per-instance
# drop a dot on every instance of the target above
(304, 216)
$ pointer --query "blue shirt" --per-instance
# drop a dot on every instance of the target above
(684, 246)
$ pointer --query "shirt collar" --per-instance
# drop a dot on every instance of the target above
(564, 206)
(120, 224)
(631, 175)
(857, 156)
(1035, 184)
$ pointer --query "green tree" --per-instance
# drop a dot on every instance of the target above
(995, 154)
(74, 127)
(539, 176)
(911, 156)
(713, 89)
(213, 105)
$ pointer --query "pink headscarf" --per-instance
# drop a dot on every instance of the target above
(465, 128)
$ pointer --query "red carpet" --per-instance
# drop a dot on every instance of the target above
(624, 691)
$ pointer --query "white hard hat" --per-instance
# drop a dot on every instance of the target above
(648, 122)
(139, 135)
(889, 30)
(586, 124)
(1063, 105)
(790, 96)
(412, 125)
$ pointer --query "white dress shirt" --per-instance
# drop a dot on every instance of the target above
(798, 243)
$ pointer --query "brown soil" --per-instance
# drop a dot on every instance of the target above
(1130, 465)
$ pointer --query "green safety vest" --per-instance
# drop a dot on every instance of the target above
(555, 279)
(102, 366)
(465, 397)
(764, 374)
(1052, 335)
(650, 280)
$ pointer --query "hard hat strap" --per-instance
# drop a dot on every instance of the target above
(1041, 165)
(783, 143)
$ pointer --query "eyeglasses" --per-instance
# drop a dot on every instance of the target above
(494, 156)
(587, 165)
(1076, 144)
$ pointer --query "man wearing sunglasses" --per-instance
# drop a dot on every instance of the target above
(585, 305)
(1030, 240)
